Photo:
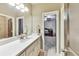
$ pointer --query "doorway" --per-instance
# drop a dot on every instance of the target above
(20, 23)
(51, 33)
(10, 27)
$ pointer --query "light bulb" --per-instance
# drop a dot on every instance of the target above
(17, 7)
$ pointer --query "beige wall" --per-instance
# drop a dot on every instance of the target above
(74, 27)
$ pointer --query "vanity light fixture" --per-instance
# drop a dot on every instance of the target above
(19, 6)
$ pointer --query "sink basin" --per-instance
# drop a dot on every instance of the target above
(26, 38)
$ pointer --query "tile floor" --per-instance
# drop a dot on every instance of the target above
(50, 45)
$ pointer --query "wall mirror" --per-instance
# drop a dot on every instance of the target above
(14, 22)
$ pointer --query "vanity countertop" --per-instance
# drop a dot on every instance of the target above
(15, 47)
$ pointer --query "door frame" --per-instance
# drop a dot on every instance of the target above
(13, 23)
(57, 29)
(62, 41)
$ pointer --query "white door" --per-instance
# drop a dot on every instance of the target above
(57, 28)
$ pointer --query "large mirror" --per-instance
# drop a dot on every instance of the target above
(9, 26)
(14, 22)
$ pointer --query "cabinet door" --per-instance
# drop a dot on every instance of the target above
(29, 51)
(34, 48)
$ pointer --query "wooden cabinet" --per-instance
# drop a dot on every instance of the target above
(33, 49)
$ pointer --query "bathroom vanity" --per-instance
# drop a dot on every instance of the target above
(22, 47)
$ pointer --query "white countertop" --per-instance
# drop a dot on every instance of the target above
(15, 47)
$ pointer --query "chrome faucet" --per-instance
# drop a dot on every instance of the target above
(22, 36)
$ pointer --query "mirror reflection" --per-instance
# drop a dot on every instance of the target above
(14, 21)
(6, 27)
